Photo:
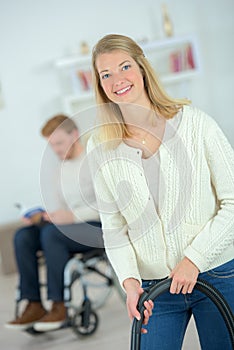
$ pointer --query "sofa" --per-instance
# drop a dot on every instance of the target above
(7, 232)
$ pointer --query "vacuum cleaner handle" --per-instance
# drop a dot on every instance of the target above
(206, 288)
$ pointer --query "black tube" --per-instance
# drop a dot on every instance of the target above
(153, 292)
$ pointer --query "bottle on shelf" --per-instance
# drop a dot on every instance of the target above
(167, 23)
(84, 48)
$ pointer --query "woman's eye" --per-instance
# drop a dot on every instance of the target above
(105, 76)
(126, 67)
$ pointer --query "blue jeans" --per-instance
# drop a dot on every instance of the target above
(57, 249)
(172, 312)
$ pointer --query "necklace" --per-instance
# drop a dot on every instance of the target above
(143, 138)
(143, 141)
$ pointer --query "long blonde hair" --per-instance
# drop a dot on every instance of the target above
(113, 126)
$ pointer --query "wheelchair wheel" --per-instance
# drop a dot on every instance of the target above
(96, 280)
(85, 327)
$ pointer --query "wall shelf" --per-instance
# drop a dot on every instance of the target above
(72, 61)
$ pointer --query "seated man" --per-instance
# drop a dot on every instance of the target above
(64, 231)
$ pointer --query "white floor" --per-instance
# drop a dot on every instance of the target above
(113, 331)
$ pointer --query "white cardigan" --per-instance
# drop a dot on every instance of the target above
(196, 213)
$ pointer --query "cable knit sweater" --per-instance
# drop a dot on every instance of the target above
(195, 217)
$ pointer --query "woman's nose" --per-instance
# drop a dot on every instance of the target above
(118, 79)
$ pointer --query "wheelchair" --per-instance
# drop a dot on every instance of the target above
(89, 280)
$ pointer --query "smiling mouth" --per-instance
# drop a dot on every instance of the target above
(122, 91)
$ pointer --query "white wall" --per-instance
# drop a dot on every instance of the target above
(34, 33)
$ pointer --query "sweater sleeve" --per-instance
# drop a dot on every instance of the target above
(218, 234)
(115, 229)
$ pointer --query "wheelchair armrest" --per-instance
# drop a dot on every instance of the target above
(96, 252)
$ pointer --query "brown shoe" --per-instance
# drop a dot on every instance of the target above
(33, 312)
(54, 319)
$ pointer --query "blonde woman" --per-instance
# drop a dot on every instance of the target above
(163, 173)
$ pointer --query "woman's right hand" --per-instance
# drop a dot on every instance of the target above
(134, 291)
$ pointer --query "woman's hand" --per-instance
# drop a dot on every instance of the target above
(134, 291)
(184, 277)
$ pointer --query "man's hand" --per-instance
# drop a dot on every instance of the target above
(26, 221)
(32, 220)
(59, 217)
(184, 277)
(134, 291)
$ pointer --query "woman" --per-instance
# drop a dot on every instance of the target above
(164, 178)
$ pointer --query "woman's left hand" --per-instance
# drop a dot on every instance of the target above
(184, 277)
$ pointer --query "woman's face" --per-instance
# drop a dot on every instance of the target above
(121, 77)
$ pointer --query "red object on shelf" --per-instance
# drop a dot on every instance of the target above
(86, 79)
(189, 57)
(182, 60)
(176, 61)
